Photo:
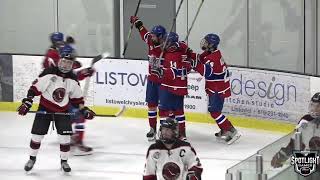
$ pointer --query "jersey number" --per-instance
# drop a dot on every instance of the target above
(173, 64)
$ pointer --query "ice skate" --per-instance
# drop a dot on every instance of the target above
(29, 165)
(231, 136)
(151, 135)
(65, 166)
(79, 149)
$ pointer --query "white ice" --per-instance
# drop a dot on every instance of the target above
(120, 146)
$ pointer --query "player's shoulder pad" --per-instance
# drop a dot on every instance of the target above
(181, 143)
(46, 71)
(157, 145)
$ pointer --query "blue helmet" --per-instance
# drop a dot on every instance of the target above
(159, 31)
(67, 58)
(67, 52)
(210, 42)
(56, 37)
(172, 38)
(212, 39)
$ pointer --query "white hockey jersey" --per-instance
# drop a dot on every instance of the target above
(310, 131)
(164, 164)
(57, 90)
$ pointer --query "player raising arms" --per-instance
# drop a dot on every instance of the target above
(58, 87)
(174, 84)
(211, 65)
(154, 40)
(171, 158)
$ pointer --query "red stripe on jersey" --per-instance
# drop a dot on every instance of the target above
(150, 177)
(35, 90)
(77, 100)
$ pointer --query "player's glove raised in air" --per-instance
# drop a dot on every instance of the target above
(87, 113)
(25, 106)
(278, 159)
(70, 40)
(136, 22)
(83, 73)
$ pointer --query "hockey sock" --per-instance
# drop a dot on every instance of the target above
(171, 115)
(180, 117)
(64, 146)
(152, 116)
(35, 144)
(164, 114)
(79, 129)
(221, 120)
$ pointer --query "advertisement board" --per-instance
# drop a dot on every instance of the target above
(117, 82)
(268, 94)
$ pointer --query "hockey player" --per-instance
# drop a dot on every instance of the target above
(154, 40)
(211, 65)
(171, 158)
(58, 87)
(51, 59)
(309, 126)
(174, 85)
(52, 56)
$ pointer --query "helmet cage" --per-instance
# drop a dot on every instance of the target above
(168, 125)
(65, 65)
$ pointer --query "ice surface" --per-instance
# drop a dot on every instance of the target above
(120, 146)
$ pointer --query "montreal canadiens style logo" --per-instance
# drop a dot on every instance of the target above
(171, 171)
(58, 94)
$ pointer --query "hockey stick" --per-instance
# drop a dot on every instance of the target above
(194, 20)
(87, 82)
(130, 31)
(173, 24)
(119, 113)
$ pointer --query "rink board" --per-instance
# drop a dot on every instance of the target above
(260, 99)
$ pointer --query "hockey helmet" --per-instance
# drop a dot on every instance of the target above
(172, 39)
(67, 58)
(314, 106)
(168, 131)
(57, 39)
(210, 42)
(158, 33)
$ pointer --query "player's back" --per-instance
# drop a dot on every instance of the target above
(51, 58)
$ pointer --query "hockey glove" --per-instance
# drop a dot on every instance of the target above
(87, 113)
(70, 40)
(25, 106)
(136, 21)
(278, 159)
(158, 72)
(193, 62)
(83, 73)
